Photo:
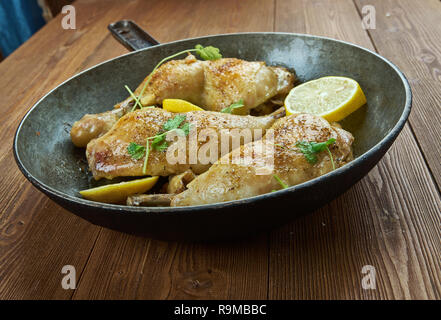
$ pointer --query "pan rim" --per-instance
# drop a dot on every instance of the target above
(389, 137)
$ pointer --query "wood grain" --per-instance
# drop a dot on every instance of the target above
(409, 33)
(37, 237)
(34, 248)
(390, 219)
(138, 268)
(378, 222)
(128, 267)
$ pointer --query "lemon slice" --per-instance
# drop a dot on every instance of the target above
(178, 105)
(118, 192)
(332, 98)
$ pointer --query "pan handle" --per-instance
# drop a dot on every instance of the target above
(131, 35)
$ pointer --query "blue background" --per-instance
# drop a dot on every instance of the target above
(19, 20)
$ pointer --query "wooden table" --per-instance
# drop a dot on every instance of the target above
(390, 219)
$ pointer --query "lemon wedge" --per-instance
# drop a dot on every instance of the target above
(332, 98)
(179, 105)
(118, 192)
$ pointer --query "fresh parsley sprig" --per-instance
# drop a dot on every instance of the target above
(311, 149)
(135, 150)
(238, 104)
(158, 142)
(206, 53)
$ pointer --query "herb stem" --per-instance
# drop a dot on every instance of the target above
(283, 184)
(147, 151)
(132, 95)
(331, 157)
(147, 148)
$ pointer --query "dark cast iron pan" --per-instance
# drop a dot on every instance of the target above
(51, 162)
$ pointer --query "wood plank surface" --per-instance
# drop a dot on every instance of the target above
(37, 237)
(377, 222)
(140, 268)
(390, 219)
(409, 33)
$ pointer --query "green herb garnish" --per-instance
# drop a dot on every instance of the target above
(310, 150)
(132, 94)
(283, 184)
(185, 128)
(135, 150)
(158, 142)
(238, 104)
(174, 123)
(206, 53)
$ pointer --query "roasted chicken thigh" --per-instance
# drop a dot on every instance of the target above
(226, 181)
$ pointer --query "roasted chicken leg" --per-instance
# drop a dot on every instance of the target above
(108, 155)
(212, 85)
(226, 181)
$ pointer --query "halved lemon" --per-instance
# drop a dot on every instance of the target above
(118, 192)
(179, 105)
(332, 98)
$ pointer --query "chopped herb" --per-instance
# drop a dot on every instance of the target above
(185, 128)
(238, 104)
(283, 184)
(158, 142)
(206, 53)
(174, 123)
(160, 146)
(135, 150)
(310, 150)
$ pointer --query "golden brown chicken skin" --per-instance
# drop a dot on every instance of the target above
(216, 84)
(108, 156)
(212, 85)
(226, 181)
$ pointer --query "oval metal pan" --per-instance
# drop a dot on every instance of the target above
(52, 163)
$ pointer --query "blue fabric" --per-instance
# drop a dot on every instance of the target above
(19, 20)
